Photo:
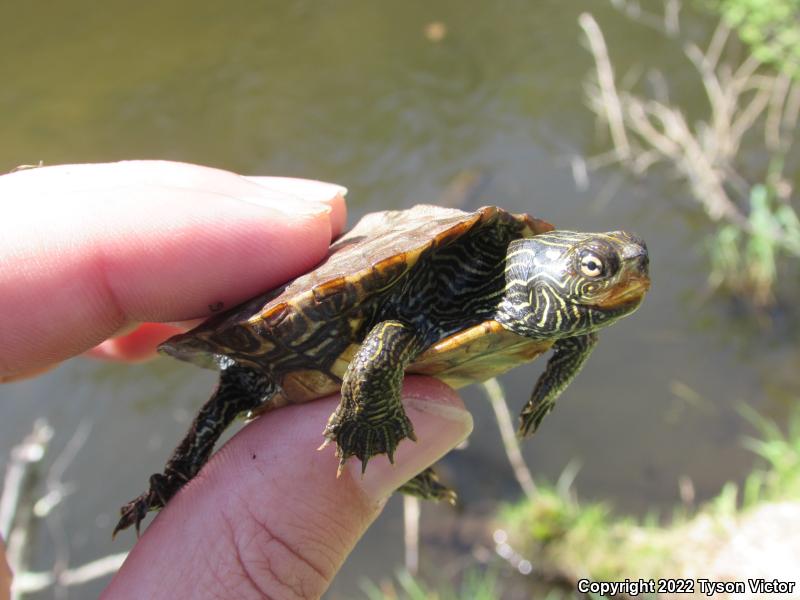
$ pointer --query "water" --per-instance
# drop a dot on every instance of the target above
(356, 93)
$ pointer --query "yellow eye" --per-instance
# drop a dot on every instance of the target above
(591, 265)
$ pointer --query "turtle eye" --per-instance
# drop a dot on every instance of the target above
(591, 265)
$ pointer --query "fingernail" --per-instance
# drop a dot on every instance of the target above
(287, 205)
(308, 190)
(439, 425)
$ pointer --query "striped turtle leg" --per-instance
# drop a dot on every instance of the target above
(370, 419)
(569, 355)
(427, 486)
(240, 389)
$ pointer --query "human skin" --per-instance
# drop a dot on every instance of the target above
(105, 260)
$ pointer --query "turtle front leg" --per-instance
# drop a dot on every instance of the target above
(569, 356)
(240, 389)
(370, 419)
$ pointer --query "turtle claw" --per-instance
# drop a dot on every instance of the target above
(531, 417)
(355, 436)
(133, 513)
(162, 488)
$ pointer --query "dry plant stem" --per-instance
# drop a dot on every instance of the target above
(664, 128)
(30, 582)
(717, 44)
(792, 110)
(509, 436)
(55, 491)
(777, 102)
(411, 513)
(605, 76)
(28, 452)
(17, 494)
(16, 499)
(672, 21)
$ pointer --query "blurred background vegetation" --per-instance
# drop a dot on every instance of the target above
(677, 450)
(752, 98)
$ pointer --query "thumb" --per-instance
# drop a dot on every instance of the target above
(267, 517)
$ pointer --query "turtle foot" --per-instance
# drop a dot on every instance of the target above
(427, 486)
(162, 488)
(133, 513)
(357, 436)
(531, 417)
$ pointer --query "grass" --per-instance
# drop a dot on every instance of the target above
(569, 537)
(747, 262)
(575, 539)
(779, 478)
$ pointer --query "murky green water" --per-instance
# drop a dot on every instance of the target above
(355, 92)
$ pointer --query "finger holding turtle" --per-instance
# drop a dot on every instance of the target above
(93, 251)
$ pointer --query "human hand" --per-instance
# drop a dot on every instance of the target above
(97, 258)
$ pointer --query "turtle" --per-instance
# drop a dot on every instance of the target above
(461, 296)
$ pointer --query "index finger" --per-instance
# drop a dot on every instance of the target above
(85, 250)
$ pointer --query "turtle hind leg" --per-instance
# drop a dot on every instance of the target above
(370, 418)
(427, 486)
(240, 389)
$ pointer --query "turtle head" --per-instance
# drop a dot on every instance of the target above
(566, 283)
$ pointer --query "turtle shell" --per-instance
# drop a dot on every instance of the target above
(305, 333)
